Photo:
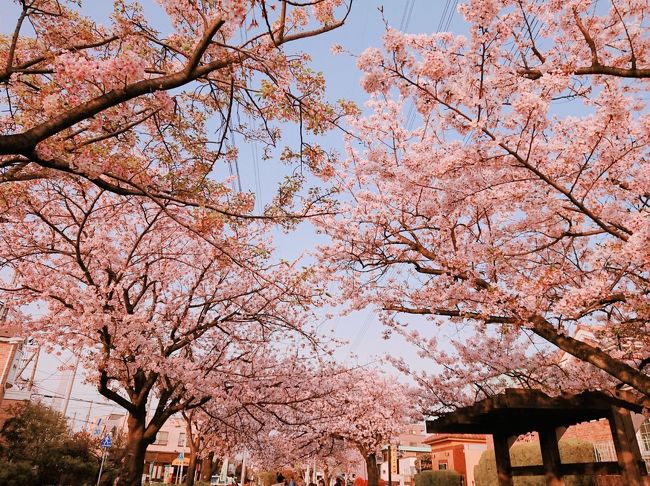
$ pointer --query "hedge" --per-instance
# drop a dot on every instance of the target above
(438, 478)
(529, 454)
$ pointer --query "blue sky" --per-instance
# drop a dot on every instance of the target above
(363, 29)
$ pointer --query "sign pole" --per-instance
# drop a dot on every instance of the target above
(101, 467)
(105, 444)
(181, 456)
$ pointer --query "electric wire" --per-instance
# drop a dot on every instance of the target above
(444, 23)
(257, 175)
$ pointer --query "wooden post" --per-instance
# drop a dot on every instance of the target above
(627, 448)
(502, 445)
(550, 457)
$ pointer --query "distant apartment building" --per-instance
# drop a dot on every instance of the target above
(409, 455)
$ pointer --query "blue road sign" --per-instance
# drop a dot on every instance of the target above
(106, 442)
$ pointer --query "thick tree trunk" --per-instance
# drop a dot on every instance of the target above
(326, 476)
(594, 355)
(371, 469)
(216, 466)
(136, 446)
(206, 467)
(191, 469)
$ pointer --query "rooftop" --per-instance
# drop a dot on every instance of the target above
(519, 411)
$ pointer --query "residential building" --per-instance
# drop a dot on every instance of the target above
(409, 455)
(457, 452)
(11, 351)
(164, 458)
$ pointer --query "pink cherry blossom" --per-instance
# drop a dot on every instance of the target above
(512, 202)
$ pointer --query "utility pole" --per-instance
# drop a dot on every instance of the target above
(390, 467)
(243, 468)
(101, 467)
(70, 385)
(30, 383)
(87, 424)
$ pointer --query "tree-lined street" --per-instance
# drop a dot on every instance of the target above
(484, 196)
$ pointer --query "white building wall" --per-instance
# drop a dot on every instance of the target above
(171, 436)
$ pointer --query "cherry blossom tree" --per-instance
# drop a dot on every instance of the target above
(259, 414)
(161, 318)
(202, 437)
(338, 458)
(335, 415)
(459, 371)
(263, 414)
(138, 111)
(515, 199)
(358, 409)
(372, 409)
(291, 426)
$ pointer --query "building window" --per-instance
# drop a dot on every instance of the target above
(442, 466)
(605, 451)
(644, 434)
(162, 438)
(181, 439)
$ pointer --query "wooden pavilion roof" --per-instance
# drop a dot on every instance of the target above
(519, 411)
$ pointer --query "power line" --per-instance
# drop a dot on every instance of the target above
(406, 15)
(256, 173)
(449, 14)
(368, 319)
(48, 377)
(443, 24)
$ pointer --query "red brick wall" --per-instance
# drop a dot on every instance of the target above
(7, 354)
(595, 431)
(6, 409)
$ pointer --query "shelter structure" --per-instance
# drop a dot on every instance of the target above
(518, 411)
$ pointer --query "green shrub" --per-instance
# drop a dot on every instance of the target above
(37, 443)
(438, 478)
(529, 454)
(17, 473)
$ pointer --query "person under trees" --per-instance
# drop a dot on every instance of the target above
(137, 111)
(518, 202)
